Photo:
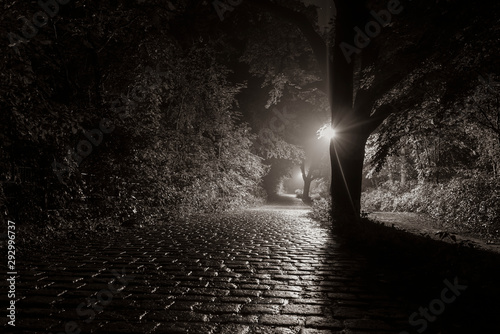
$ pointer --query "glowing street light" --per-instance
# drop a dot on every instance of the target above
(327, 132)
(330, 133)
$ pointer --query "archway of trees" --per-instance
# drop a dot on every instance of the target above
(145, 108)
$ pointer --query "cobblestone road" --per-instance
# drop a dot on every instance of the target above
(271, 270)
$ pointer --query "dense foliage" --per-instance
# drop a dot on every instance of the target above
(113, 117)
(321, 210)
(446, 167)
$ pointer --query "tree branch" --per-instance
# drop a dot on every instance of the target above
(379, 116)
(366, 99)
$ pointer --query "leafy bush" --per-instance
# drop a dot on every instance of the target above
(321, 210)
(178, 147)
(320, 188)
(471, 204)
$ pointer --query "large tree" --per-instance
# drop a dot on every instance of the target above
(377, 61)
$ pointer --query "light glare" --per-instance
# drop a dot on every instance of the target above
(327, 132)
(330, 133)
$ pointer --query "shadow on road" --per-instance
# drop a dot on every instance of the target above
(267, 270)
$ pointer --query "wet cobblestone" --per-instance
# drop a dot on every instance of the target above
(269, 271)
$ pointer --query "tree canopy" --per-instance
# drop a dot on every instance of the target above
(147, 104)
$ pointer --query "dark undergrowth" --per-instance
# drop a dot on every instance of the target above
(30, 238)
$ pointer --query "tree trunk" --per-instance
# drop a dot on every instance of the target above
(347, 148)
(305, 193)
(347, 153)
(403, 167)
(403, 175)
